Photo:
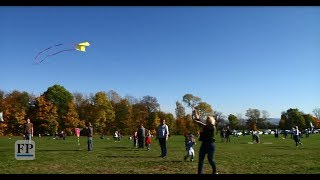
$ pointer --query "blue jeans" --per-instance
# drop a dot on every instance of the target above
(89, 143)
(163, 146)
(207, 148)
(27, 136)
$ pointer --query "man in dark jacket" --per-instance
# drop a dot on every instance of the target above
(141, 136)
(89, 135)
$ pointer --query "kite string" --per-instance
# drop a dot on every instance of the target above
(36, 57)
(55, 54)
(46, 50)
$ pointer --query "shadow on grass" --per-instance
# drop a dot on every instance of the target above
(142, 157)
(126, 148)
(58, 150)
(126, 156)
(280, 147)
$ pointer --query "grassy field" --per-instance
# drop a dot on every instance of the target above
(271, 156)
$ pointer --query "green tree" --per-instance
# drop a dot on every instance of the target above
(263, 121)
(61, 98)
(151, 103)
(191, 100)
(180, 110)
(220, 119)
(308, 118)
(132, 100)
(283, 122)
(233, 121)
(316, 112)
(114, 97)
(152, 121)
(294, 116)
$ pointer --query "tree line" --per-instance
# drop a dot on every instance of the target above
(57, 109)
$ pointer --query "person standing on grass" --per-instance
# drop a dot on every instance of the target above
(148, 140)
(89, 135)
(135, 139)
(191, 142)
(28, 130)
(162, 136)
(228, 133)
(208, 142)
(296, 136)
(141, 136)
(256, 137)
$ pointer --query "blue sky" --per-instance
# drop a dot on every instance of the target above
(233, 58)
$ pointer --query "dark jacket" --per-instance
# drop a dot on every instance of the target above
(207, 134)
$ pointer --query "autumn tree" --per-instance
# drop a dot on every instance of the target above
(181, 126)
(152, 121)
(46, 117)
(71, 120)
(170, 121)
(15, 106)
(3, 125)
(316, 122)
(191, 126)
(123, 117)
(253, 118)
(139, 114)
(104, 116)
(204, 109)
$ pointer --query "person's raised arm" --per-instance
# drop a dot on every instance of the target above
(196, 118)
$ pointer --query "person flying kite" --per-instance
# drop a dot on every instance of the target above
(76, 47)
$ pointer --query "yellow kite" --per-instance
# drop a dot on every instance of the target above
(82, 46)
(79, 46)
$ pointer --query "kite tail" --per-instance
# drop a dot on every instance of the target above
(55, 54)
(46, 50)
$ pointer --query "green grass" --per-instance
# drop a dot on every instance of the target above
(271, 156)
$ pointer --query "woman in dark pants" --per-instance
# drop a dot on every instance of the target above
(208, 141)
